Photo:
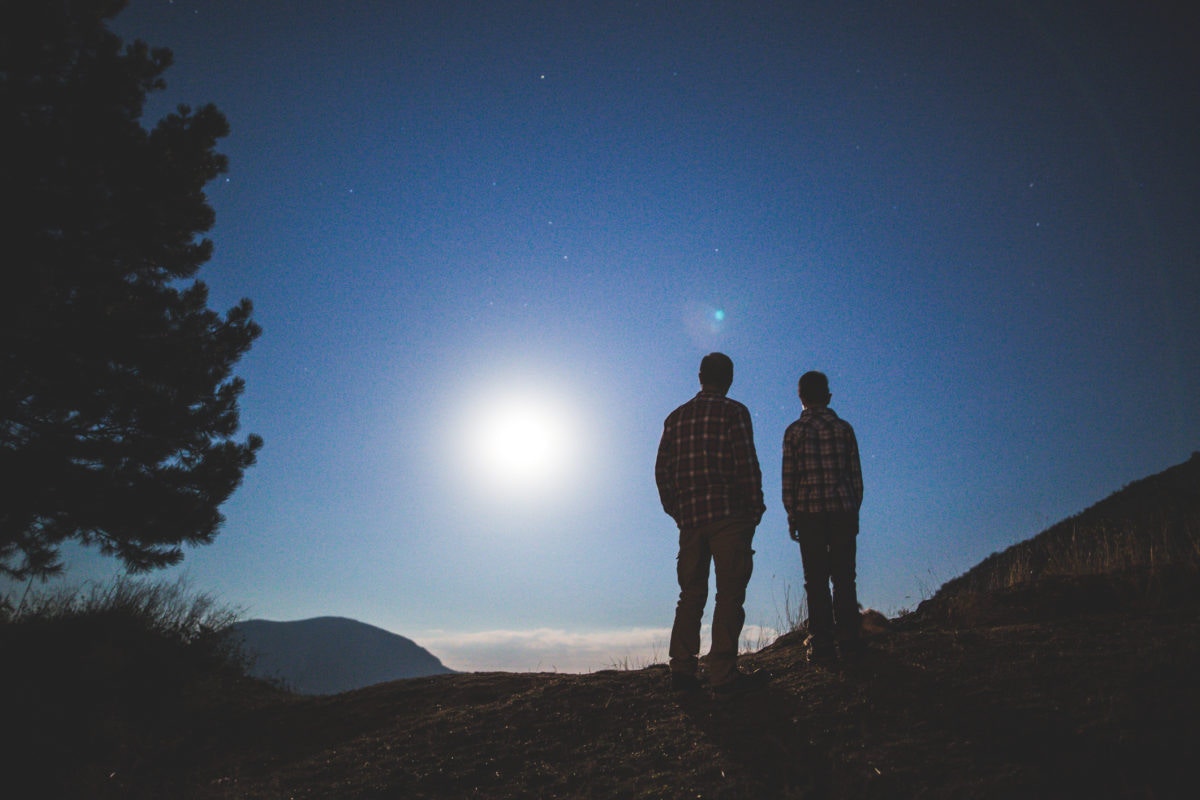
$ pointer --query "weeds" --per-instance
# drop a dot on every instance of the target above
(794, 614)
(100, 677)
(630, 663)
(1150, 528)
(756, 637)
(171, 610)
(1105, 548)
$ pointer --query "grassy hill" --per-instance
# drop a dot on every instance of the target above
(1014, 680)
(1140, 546)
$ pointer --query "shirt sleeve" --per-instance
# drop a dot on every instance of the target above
(663, 475)
(788, 472)
(856, 481)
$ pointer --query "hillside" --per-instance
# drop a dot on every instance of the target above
(328, 655)
(1060, 685)
(1080, 705)
(1139, 546)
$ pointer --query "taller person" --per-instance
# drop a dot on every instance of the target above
(710, 483)
(822, 493)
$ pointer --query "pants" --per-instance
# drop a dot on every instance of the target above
(828, 550)
(726, 543)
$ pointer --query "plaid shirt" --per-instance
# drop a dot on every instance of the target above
(707, 468)
(821, 470)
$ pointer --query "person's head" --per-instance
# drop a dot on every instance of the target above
(814, 390)
(716, 372)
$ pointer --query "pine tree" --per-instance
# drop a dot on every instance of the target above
(118, 407)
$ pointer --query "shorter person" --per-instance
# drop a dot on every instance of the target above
(822, 493)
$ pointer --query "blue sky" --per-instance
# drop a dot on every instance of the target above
(979, 219)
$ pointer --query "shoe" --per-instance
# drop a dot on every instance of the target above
(684, 682)
(742, 683)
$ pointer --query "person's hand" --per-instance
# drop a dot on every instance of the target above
(794, 532)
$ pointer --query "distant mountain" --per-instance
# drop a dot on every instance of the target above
(328, 655)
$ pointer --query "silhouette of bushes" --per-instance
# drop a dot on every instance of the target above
(98, 683)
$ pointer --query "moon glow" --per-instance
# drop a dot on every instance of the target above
(523, 444)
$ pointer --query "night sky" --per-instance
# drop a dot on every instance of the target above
(489, 242)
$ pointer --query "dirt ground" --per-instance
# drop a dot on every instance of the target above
(1033, 701)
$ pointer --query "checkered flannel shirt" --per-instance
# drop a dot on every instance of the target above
(707, 468)
(821, 470)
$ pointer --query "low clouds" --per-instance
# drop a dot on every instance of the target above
(555, 650)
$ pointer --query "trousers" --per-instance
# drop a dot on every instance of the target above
(828, 551)
(726, 544)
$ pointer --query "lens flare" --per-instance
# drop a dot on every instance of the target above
(705, 323)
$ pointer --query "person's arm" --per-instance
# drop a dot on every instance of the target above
(856, 481)
(788, 473)
(664, 472)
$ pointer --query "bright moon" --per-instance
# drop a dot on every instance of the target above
(523, 443)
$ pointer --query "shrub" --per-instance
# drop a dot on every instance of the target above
(105, 684)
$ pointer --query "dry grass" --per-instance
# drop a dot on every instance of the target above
(1147, 534)
(168, 609)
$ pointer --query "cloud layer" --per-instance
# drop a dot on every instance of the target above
(556, 650)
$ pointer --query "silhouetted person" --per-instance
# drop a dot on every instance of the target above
(822, 492)
(710, 483)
